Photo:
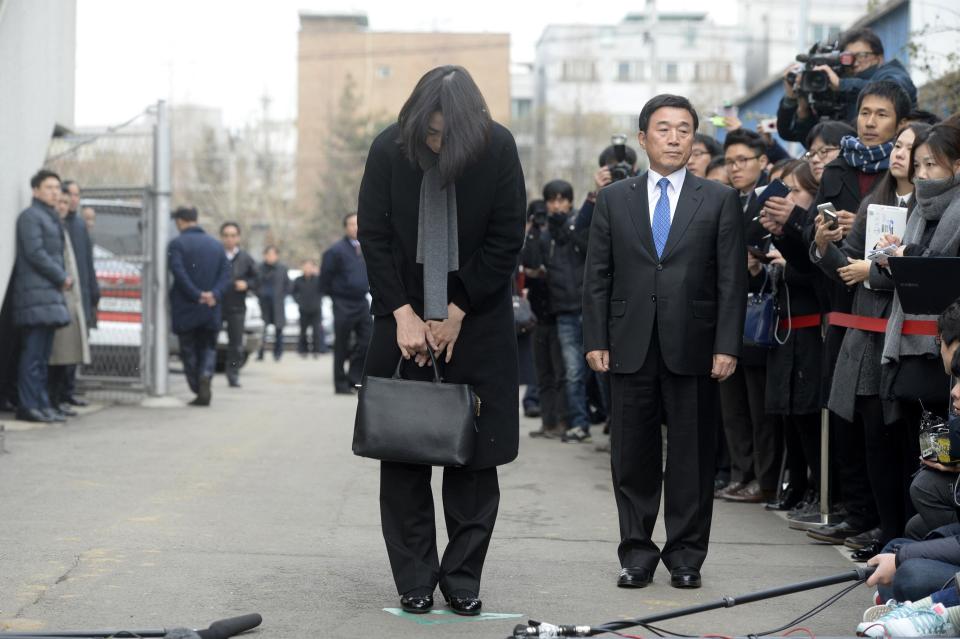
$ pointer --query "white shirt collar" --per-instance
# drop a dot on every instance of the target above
(232, 254)
(676, 178)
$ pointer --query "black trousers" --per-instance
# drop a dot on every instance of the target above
(351, 334)
(754, 438)
(640, 403)
(893, 453)
(551, 376)
(234, 321)
(850, 481)
(470, 502)
(311, 321)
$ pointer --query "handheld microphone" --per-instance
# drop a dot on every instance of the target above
(540, 630)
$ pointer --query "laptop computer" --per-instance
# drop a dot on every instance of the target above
(926, 285)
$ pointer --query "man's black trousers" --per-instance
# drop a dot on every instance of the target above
(687, 404)
(311, 321)
(352, 333)
(235, 321)
(470, 502)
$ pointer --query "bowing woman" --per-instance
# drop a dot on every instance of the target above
(441, 219)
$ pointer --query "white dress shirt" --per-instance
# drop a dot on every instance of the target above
(673, 190)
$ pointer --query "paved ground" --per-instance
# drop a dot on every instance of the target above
(146, 518)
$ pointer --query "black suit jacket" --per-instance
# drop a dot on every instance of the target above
(695, 293)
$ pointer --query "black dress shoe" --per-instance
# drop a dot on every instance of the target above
(634, 578)
(32, 415)
(867, 552)
(416, 604)
(685, 577)
(76, 401)
(834, 534)
(468, 606)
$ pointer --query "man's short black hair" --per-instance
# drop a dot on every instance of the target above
(864, 35)
(748, 138)
(666, 100)
(948, 324)
(346, 218)
(830, 131)
(558, 188)
(609, 156)
(186, 213)
(225, 225)
(41, 175)
(891, 91)
(709, 143)
(271, 247)
(926, 117)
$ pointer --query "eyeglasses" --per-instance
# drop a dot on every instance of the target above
(821, 153)
(698, 152)
(738, 162)
(860, 55)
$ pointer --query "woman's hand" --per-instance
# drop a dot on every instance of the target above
(445, 333)
(776, 257)
(855, 272)
(888, 240)
(753, 264)
(938, 466)
(778, 208)
(825, 236)
(413, 335)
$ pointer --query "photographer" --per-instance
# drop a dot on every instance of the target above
(557, 255)
(861, 51)
(615, 165)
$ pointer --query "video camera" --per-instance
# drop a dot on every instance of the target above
(622, 169)
(815, 85)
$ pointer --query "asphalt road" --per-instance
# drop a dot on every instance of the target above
(133, 518)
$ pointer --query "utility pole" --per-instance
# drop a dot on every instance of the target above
(157, 329)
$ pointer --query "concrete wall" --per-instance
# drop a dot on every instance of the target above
(37, 63)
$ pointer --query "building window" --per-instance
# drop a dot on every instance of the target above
(718, 72)
(383, 71)
(630, 71)
(521, 108)
(579, 71)
(670, 72)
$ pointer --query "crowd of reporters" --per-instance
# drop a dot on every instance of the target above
(842, 340)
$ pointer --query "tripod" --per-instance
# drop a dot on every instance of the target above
(539, 630)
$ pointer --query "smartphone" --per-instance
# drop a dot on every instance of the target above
(829, 213)
(880, 255)
(759, 254)
(718, 121)
(768, 125)
(776, 188)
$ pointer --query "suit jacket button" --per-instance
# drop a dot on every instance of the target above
(659, 267)
(653, 298)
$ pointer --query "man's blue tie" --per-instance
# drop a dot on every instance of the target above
(661, 217)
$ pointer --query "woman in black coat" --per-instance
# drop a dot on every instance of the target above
(444, 137)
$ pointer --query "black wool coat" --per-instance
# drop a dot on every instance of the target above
(491, 209)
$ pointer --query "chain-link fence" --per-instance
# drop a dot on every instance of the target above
(114, 169)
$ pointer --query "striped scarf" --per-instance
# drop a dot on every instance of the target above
(869, 159)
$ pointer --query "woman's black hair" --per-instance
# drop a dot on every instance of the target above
(718, 162)
(885, 190)
(830, 131)
(558, 188)
(943, 140)
(466, 120)
(802, 175)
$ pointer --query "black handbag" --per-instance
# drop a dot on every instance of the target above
(760, 321)
(416, 422)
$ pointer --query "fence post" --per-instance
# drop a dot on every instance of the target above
(157, 374)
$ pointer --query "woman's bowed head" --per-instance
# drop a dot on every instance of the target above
(446, 116)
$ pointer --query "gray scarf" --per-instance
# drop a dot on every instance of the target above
(936, 200)
(436, 237)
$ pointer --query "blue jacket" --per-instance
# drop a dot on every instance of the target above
(197, 263)
(39, 271)
(343, 275)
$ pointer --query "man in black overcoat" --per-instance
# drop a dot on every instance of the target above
(663, 312)
(243, 271)
(274, 284)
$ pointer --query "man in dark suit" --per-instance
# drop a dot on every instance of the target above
(243, 272)
(663, 312)
(343, 277)
(201, 275)
(309, 298)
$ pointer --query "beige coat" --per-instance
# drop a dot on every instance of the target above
(70, 343)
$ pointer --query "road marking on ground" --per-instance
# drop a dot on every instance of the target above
(436, 617)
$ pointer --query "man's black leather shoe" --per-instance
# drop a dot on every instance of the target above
(867, 552)
(685, 577)
(416, 604)
(32, 415)
(76, 401)
(834, 534)
(634, 578)
(466, 606)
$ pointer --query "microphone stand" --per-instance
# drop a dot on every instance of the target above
(538, 630)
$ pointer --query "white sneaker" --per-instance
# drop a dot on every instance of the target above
(890, 610)
(925, 622)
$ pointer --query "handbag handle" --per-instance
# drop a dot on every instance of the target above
(436, 371)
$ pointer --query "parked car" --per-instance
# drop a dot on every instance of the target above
(291, 328)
